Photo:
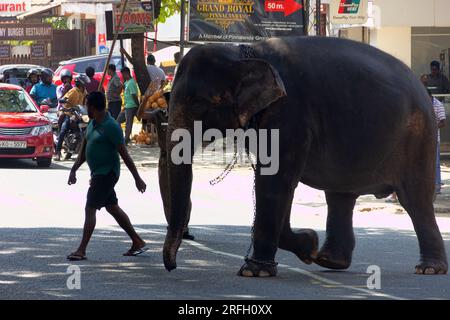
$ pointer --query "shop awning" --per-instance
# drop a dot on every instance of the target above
(53, 9)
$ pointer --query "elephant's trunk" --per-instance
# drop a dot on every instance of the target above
(180, 183)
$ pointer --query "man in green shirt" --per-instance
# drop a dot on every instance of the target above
(131, 103)
(101, 148)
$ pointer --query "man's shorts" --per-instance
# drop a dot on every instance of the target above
(101, 192)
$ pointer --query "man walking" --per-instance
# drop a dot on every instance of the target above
(101, 148)
(113, 92)
(131, 103)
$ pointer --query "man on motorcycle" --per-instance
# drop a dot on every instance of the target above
(45, 89)
(76, 96)
(32, 79)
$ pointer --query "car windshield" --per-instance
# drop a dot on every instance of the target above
(15, 101)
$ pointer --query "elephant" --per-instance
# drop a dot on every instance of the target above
(352, 120)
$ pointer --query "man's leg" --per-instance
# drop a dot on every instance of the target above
(89, 226)
(114, 109)
(438, 169)
(129, 114)
(124, 222)
(62, 134)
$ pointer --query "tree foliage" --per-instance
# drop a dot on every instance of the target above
(57, 23)
(167, 9)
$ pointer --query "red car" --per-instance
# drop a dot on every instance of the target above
(79, 65)
(25, 133)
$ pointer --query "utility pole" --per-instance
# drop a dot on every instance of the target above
(318, 3)
(183, 26)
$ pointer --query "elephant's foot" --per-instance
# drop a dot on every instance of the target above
(334, 258)
(432, 266)
(307, 245)
(254, 268)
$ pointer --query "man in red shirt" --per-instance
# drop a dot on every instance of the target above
(93, 85)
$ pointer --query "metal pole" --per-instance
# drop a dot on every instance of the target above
(318, 17)
(183, 26)
(122, 57)
(116, 34)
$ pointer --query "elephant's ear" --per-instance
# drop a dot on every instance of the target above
(259, 86)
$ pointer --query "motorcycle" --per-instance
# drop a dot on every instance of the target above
(79, 121)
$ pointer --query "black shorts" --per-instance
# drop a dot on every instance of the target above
(101, 192)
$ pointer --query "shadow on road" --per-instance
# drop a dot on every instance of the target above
(33, 266)
(27, 164)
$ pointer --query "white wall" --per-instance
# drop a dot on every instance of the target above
(393, 40)
(418, 13)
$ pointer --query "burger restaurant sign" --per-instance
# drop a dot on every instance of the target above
(14, 7)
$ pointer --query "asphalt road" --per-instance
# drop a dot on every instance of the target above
(42, 218)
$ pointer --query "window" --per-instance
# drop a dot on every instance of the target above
(15, 101)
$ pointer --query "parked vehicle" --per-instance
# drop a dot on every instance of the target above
(21, 72)
(24, 130)
(79, 65)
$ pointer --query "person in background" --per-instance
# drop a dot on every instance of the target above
(94, 84)
(45, 89)
(131, 103)
(76, 96)
(32, 79)
(176, 58)
(113, 92)
(436, 81)
(65, 86)
(101, 149)
(157, 75)
(12, 79)
(440, 118)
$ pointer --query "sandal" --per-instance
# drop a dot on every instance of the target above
(135, 252)
(76, 257)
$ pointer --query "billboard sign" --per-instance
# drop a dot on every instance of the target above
(244, 20)
(10, 8)
(138, 17)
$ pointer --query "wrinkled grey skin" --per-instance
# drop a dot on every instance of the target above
(159, 119)
(352, 120)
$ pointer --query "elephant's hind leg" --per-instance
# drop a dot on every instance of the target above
(336, 252)
(417, 199)
(304, 243)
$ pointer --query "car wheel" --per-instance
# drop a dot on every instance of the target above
(44, 162)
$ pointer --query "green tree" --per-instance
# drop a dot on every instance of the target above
(57, 23)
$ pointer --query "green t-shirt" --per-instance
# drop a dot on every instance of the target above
(130, 89)
(102, 140)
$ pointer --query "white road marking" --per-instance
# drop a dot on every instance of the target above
(295, 269)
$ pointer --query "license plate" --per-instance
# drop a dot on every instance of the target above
(13, 144)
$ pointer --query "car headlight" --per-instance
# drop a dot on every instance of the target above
(39, 130)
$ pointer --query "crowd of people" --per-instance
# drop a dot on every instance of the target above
(122, 96)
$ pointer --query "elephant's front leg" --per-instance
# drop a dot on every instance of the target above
(273, 197)
(336, 252)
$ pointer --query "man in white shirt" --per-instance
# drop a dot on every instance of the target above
(440, 118)
(157, 75)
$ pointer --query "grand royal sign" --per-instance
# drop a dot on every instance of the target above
(14, 7)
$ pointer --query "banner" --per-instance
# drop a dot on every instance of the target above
(244, 20)
(14, 7)
(348, 11)
(26, 32)
(138, 17)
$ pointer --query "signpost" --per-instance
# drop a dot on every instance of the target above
(244, 20)
(5, 51)
(38, 51)
(349, 11)
(26, 32)
(14, 7)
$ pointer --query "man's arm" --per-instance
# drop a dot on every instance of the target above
(140, 184)
(80, 160)
(135, 99)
